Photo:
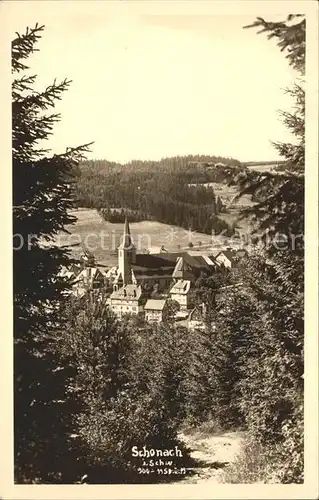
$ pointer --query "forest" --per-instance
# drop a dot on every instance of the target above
(87, 387)
(168, 190)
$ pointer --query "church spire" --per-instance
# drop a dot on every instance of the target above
(126, 255)
(127, 241)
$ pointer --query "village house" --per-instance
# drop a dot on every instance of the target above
(129, 299)
(180, 292)
(154, 310)
(91, 278)
(225, 258)
(196, 319)
(230, 257)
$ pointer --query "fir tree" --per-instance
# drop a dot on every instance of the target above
(280, 195)
(269, 389)
(42, 198)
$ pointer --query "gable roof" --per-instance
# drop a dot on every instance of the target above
(196, 314)
(90, 273)
(155, 304)
(182, 269)
(229, 254)
(127, 292)
(215, 253)
(155, 261)
(210, 260)
(181, 287)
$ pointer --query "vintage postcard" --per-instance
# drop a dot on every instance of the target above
(160, 187)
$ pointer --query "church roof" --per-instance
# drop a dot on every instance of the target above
(145, 262)
(176, 264)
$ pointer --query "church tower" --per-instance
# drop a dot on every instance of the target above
(126, 255)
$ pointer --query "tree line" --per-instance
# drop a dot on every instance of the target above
(169, 191)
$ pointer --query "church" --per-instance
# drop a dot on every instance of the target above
(137, 275)
(161, 269)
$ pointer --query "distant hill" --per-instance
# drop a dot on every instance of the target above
(165, 163)
(172, 190)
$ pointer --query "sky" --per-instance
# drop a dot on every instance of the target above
(151, 83)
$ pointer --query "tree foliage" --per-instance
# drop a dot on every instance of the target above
(280, 194)
(123, 400)
(263, 325)
(42, 197)
(173, 190)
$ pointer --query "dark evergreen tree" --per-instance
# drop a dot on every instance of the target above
(123, 399)
(280, 194)
(259, 323)
(269, 390)
(42, 197)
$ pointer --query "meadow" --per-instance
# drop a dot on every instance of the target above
(102, 238)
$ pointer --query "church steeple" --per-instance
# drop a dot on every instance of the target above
(127, 241)
(126, 255)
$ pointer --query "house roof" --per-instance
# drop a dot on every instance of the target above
(90, 273)
(182, 268)
(155, 304)
(181, 287)
(128, 292)
(233, 253)
(196, 314)
(228, 253)
(210, 260)
(213, 253)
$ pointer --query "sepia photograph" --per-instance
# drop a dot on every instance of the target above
(158, 254)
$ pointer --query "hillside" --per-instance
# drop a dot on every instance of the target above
(180, 191)
(103, 238)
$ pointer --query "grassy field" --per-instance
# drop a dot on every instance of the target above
(264, 168)
(227, 194)
(103, 238)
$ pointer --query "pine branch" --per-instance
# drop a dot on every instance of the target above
(291, 38)
(23, 46)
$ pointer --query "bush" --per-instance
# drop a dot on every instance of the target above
(123, 401)
(108, 433)
(255, 464)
